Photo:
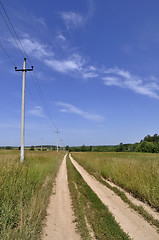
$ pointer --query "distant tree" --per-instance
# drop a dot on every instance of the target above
(148, 138)
(67, 148)
(83, 148)
(8, 147)
(32, 148)
(120, 148)
(155, 138)
(144, 146)
(132, 147)
(90, 148)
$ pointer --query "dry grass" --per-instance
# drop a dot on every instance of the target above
(24, 192)
(138, 173)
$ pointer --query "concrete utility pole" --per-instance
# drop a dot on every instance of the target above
(61, 145)
(41, 143)
(57, 138)
(24, 70)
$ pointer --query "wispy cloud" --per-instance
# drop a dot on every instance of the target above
(72, 19)
(90, 75)
(89, 72)
(124, 79)
(74, 63)
(69, 108)
(91, 9)
(61, 37)
(36, 49)
(77, 65)
(40, 21)
(37, 111)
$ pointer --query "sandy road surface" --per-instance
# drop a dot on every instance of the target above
(136, 201)
(59, 224)
(131, 222)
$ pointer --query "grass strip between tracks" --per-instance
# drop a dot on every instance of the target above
(148, 217)
(88, 206)
(24, 192)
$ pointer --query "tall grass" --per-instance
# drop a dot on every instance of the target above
(24, 192)
(138, 173)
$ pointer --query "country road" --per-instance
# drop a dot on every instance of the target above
(130, 221)
(60, 225)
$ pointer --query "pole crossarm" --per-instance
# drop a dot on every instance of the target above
(24, 69)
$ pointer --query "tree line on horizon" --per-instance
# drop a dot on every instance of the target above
(150, 144)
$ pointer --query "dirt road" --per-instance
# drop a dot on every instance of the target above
(131, 222)
(59, 224)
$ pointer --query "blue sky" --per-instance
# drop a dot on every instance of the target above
(97, 65)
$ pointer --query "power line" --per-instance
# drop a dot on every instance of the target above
(7, 54)
(43, 100)
(24, 54)
(12, 34)
(12, 26)
(22, 50)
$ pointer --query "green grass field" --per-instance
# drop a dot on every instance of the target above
(137, 173)
(24, 192)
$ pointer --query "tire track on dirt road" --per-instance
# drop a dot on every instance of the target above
(59, 222)
(130, 221)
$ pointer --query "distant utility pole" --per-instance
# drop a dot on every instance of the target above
(57, 138)
(61, 145)
(24, 70)
(41, 143)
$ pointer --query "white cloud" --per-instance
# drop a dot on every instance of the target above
(69, 108)
(44, 53)
(89, 72)
(37, 111)
(119, 77)
(74, 63)
(92, 68)
(75, 20)
(61, 37)
(91, 9)
(90, 75)
(72, 20)
(110, 81)
(36, 49)
(77, 65)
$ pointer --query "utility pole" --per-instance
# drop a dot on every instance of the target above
(57, 138)
(41, 143)
(24, 70)
(61, 144)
